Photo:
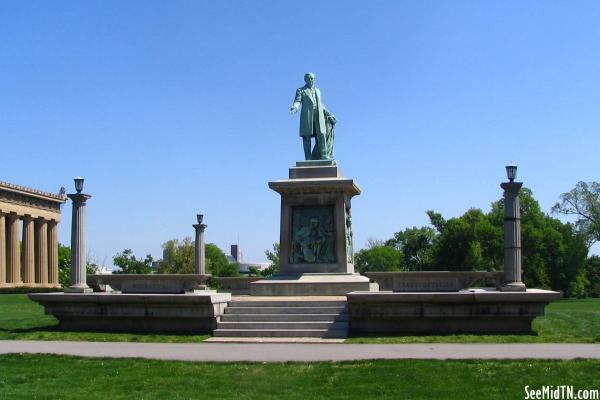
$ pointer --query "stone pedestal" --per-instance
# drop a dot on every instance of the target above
(466, 311)
(160, 313)
(316, 252)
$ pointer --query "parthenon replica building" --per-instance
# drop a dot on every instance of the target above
(29, 236)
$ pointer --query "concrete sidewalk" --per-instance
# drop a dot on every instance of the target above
(281, 352)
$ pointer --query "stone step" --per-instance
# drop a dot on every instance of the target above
(322, 333)
(285, 310)
(283, 325)
(287, 303)
(284, 317)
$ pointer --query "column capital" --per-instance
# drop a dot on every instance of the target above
(511, 187)
(200, 227)
(79, 198)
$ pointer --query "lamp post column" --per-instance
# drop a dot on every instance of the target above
(512, 238)
(200, 260)
(78, 246)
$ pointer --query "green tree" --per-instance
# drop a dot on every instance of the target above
(178, 257)
(217, 264)
(230, 269)
(273, 256)
(415, 244)
(466, 243)
(129, 264)
(64, 265)
(378, 258)
(554, 253)
(583, 201)
(593, 276)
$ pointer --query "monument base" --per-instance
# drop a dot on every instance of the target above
(315, 223)
(311, 285)
(466, 311)
(116, 312)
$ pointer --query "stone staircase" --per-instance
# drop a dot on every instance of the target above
(280, 317)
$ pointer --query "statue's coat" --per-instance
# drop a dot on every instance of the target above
(305, 98)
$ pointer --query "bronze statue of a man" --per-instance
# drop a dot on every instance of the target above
(315, 121)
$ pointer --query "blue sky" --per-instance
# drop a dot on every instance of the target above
(173, 107)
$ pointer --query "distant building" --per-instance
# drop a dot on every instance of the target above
(236, 257)
(104, 270)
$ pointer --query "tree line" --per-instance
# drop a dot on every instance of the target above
(555, 253)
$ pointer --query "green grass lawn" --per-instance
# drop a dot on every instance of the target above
(23, 319)
(566, 321)
(61, 377)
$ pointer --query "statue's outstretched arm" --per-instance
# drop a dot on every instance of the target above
(297, 101)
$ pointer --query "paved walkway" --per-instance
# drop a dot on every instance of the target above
(279, 352)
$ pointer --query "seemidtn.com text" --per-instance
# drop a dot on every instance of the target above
(560, 392)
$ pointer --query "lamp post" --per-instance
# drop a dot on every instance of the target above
(78, 282)
(200, 261)
(512, 233)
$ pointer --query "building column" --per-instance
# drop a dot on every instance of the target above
(41, 252)
(200, 259)
(512, 238)
(28, 252)
(2, 250)
(78, 247)
(13, 250)
(53, 253)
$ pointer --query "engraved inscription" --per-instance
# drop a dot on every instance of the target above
(426, 285)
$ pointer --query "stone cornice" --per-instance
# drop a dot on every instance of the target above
(11, 187)
(317, 185)
(20, 200)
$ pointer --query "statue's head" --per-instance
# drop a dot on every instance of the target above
(309, 78)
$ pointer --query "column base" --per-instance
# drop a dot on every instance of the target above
(78, 289)
(514, 287)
